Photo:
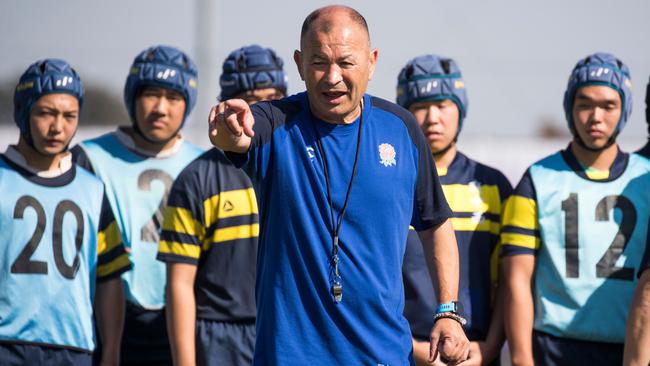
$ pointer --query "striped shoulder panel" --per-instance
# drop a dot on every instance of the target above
(475, 193)
(497, 178)
(475, 207)
(112, 259)
(520, 225)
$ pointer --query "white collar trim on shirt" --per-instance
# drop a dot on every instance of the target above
(17, 158)
(128, 142)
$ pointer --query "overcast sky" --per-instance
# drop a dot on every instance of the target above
(515, 55)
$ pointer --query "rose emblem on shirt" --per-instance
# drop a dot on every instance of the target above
(387, 154)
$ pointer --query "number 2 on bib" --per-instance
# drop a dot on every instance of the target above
(606, 266)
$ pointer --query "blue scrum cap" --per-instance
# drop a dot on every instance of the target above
(249, 68)
(430, 78)
(166, 67)
(44, 77)
(600, 69)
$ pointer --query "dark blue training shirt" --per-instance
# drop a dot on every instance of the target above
(396, 185)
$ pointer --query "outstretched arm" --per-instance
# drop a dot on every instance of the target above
(637, 338)
(231, 126)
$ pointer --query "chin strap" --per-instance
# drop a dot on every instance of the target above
(444, 150)
(579, 141)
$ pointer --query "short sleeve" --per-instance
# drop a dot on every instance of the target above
(431, 208)
(520, 224)
(183, 230)
(112, 259)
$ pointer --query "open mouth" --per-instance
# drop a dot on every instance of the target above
(334, 96)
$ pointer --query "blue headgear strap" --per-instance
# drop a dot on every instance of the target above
(162, 66)
(599, 69)
(429, 78)
(251, 68)
(43, 77)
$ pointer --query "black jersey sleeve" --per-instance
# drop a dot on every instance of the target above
(183, 228)
(80, 158)
(112, 258)
(520, 224)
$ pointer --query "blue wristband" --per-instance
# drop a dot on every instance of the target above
(448, 307)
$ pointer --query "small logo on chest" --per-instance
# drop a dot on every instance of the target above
(387, 155)
(228, 206)
(310, 152)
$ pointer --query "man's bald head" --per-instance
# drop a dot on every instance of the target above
(321, 20)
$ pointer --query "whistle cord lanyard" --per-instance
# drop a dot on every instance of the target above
(337, 284)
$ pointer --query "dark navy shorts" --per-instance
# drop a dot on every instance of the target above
(145, 341)
(19, 354)
(221, 343)
(551, 350)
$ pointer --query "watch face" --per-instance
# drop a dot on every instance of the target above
(459, 307)
(454, 306)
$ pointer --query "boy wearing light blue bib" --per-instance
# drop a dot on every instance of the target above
(138, 165)
(575, 230)
(61, 251)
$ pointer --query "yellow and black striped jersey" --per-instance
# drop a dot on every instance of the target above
(475, 193)
(212, 221)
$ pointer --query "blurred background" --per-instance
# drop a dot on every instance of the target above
(516, 56)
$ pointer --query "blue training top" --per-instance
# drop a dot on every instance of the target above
(396, 184)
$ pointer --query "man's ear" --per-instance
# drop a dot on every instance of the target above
(374, 54)
(297, 57)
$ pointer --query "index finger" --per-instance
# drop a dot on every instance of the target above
(237, 105)
(244, 115)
